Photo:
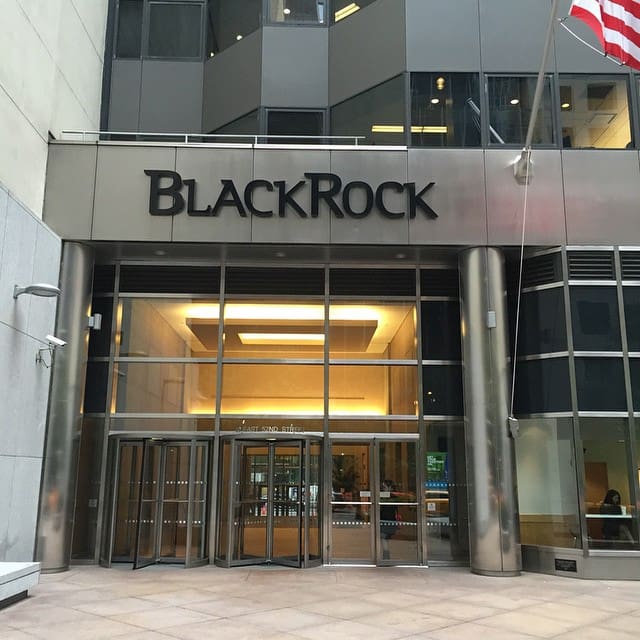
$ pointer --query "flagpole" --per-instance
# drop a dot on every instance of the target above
(522, 168)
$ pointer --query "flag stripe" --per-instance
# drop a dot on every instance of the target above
(616, 23)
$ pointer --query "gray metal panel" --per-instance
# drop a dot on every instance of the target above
(366, 49)
(431, 25)
(574, 57)
(295, 67)
(121, 205)
(372, 167)
(124, 99)
(602, 192)
(545, 222)
(68, 195)
(171, 96)
(290, 166)
(512, 35)
(232, 81)
(208, 167)
(458, 196)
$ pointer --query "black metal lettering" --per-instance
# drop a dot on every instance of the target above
(392, 186)
(248, 197)
(346, 199)
(286, 198)
(415, 200)
(229, 189)
(191, 200)
(172, 191)
(327, 194)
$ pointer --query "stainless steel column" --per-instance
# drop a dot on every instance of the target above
(64, 420)
(493, 508)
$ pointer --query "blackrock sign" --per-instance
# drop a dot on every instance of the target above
(276, 197)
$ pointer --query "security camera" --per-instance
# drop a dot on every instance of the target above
(55, 342)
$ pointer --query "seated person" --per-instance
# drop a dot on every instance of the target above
(613, 528)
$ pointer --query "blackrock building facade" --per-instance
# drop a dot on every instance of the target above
(303, 333)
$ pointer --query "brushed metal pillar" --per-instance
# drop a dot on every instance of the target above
(493, 508)
(64, 420)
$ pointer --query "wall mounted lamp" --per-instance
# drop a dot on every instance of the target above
(38, 289)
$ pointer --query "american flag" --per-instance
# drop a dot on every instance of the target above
(617, 25)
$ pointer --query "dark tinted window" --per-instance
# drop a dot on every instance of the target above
(95, 394)
(174, 30)
(100, 340)
(371, 282)
(632, 316)
(594, 316)
(294, 123)
(634, 365)
(600, 384)
(228, 21)
(129, 38)
(542, 386)
(441, 330)
(445, 110)
(442, 390)
(542, 322)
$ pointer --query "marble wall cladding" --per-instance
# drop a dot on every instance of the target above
(29, 252)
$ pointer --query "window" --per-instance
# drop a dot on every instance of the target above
(295, 123)
(129, 40)
(510, 102)
(377, 115)
(174, 30)
(595, 320)
(445, 110)
(247, 125)
(594, 112)
(341, 9)
(228, 21)
(298, 11)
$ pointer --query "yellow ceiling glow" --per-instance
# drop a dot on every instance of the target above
(281, 338)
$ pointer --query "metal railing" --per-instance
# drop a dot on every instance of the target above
(203, 138)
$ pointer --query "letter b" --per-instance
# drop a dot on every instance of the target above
(172, 191)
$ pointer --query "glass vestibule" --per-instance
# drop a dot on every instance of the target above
(270, 501)
(375, 511)
(159, 502)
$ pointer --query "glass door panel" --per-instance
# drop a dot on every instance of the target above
(149, 508)
(351, 501)
(198, 505)
(398, 502)
(287, 502)
(127, 501)
(175, 501)
(312, 548)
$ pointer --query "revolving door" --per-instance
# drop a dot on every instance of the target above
(269, 507)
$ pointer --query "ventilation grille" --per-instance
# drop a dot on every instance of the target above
(439, 282)
(630, 265)
(169, 279)
(104, 278)
(274, 280)
(591, 265)
(540, 270)
(372, 282)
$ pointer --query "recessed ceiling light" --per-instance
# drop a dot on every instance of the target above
(281, 254)
(239, 37)
(435, 100)
(212, 54)
(565, 105)
(440, 83)
(286, 11)
(160, 252)
(514, 101)
(401, 256)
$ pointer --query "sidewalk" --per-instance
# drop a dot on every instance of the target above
(163, 603)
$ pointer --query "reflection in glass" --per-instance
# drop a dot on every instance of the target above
(168, 328)
(610, 519)
(445, 492)
(373, 426)
(341, 9)
(594, 112)
(373, 390)
(441, 330)
(298, 11)
(442, 390)
(547, 484)
(632, 315)
(128, 501)
(274, 329)
(129, 39)
(600, 383)
(238, 129)
(445, 110)
(171, 387)
(272, 389)
(542, 386)
(295, 124)
(542, 322)
(510, 102)
(377, 115)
